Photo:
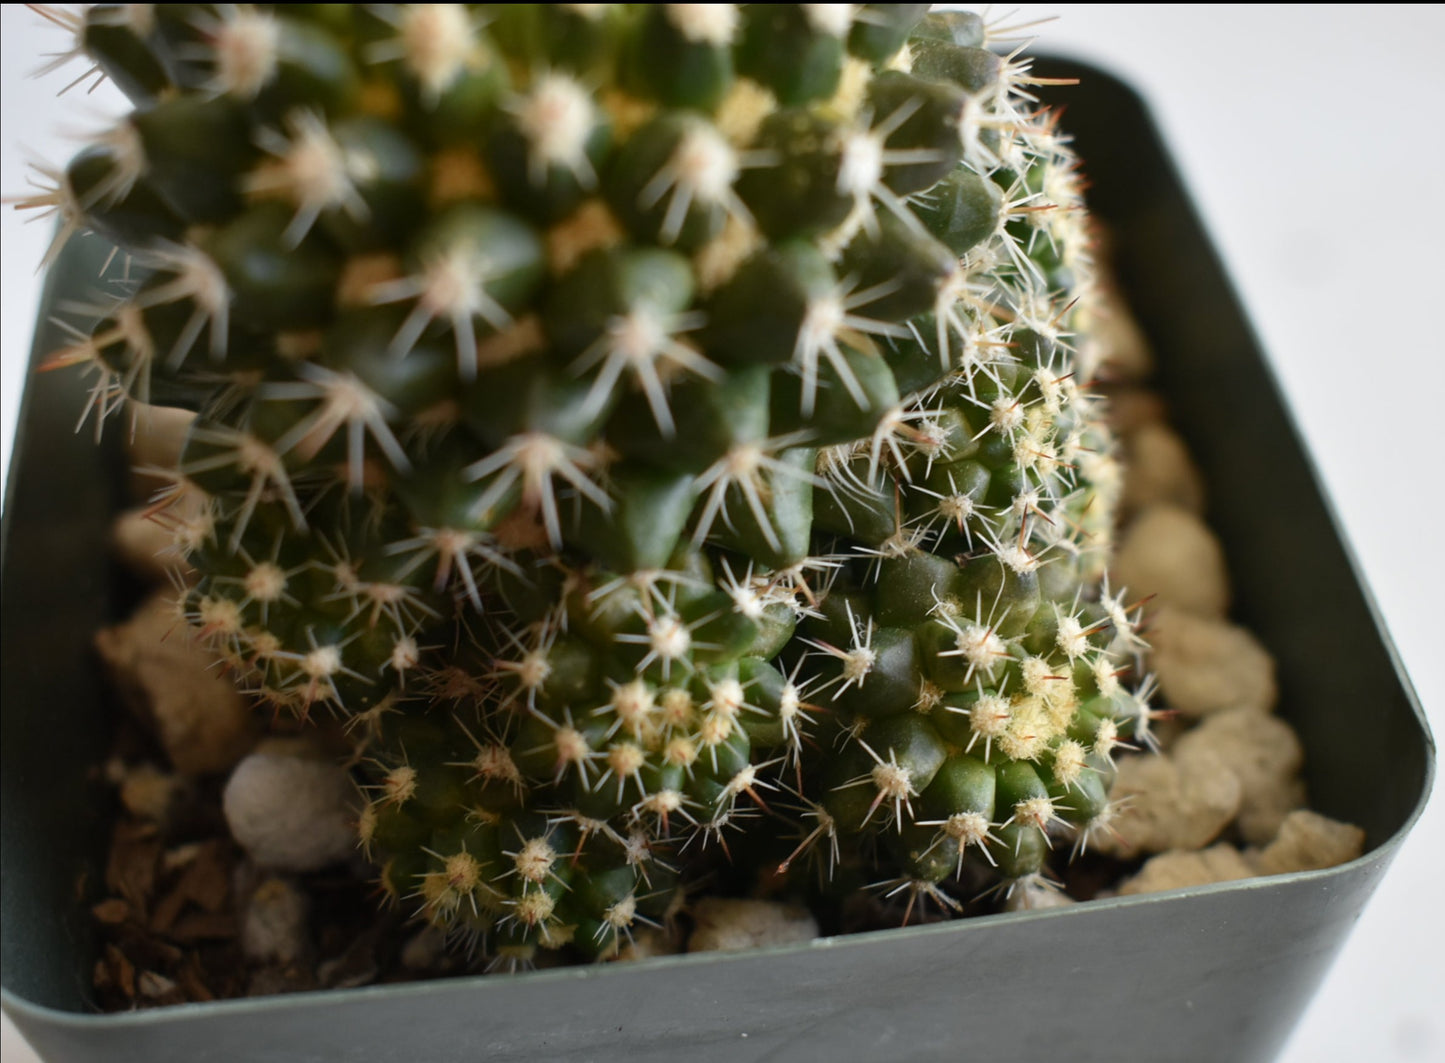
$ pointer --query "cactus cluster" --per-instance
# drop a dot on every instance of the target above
(646, 425)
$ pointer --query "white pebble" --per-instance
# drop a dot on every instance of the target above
(154, 444)
(1158, 469)
(1170, 801)
(172, 683)
(291, 813)
(1034, 894)
(1206, 665)
(1309, 841)
(729, 925)
(1265, 756)
(1176, 870)
(274, 926)
(1168, 552)
(646, 942)
(425, 950)
(1113, 337)
(147, 547)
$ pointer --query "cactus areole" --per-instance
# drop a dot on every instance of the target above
(655, 430)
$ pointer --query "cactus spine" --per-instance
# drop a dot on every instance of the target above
(644, 424)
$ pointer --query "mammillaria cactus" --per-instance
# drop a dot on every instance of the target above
(645, 425)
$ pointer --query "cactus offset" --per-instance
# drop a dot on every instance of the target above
(631, 419)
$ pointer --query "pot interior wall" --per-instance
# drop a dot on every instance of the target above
(55, 712)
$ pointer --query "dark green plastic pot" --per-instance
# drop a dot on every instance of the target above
(1213, 973)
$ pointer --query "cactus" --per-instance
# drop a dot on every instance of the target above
(653, 429)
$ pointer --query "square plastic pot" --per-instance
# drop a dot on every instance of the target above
(1212, 973)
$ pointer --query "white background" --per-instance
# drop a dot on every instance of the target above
(1313, 139)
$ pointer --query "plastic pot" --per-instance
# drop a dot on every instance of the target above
(1211, 973)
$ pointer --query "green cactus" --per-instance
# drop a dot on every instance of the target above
(645, 425)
